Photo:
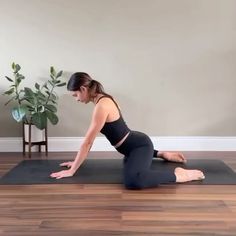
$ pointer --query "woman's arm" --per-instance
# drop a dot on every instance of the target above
(98, 120)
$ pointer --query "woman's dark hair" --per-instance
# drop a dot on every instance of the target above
(79, 79)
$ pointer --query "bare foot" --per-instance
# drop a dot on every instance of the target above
(173, 157)
(183, 175)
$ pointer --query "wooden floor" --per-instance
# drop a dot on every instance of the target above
(88, 209)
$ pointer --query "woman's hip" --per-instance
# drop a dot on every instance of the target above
(134, 140)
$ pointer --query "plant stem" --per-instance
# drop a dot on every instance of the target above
(16, 91)
(50, 94)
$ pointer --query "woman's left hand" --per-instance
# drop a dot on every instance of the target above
(174, 157)
(62, 174)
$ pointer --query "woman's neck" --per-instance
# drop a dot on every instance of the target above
(96, 98)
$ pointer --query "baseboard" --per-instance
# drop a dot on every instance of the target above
(67, 144)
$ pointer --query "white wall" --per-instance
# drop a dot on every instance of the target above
(170, 64)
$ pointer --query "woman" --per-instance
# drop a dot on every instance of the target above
(135, 146)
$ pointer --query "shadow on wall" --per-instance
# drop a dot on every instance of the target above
(133, 111)
(74, 118)
(222, 126)
(8, 126)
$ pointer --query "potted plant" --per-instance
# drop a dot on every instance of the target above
(34, 106)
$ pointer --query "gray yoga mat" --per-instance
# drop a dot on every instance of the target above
(104, 171)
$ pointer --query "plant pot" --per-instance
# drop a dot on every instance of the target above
(33, 136)
(37, 135)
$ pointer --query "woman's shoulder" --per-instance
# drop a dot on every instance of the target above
(107, 101)
(104, 99)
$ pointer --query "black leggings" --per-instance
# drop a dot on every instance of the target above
(139, 152)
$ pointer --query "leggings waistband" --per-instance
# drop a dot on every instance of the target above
(134, 139)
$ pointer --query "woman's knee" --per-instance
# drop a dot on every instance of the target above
(134, 181)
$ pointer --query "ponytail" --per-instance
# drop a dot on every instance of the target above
(95, 87)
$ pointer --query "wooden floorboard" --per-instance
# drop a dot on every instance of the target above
(109, 209)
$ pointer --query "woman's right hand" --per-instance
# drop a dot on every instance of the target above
(67, 164)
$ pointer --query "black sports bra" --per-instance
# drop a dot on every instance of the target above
(115, 130)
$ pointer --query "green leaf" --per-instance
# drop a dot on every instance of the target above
(53, 101)
(52, 78)
(29, 100)
(45, 86)
(39, 120)
(30, 108)
(51, 108)
(37, 86)
(41, 108)
(10, 91)
(41, 95)
(52, 71)
(62, 84)
(53, 96)
(19, 112)
(50, 82)
(29, 92)
(20, 76)
(17, 68)
(13, 66)
(9, 79)
(52, 117)
(59, 74)
(18, 82)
